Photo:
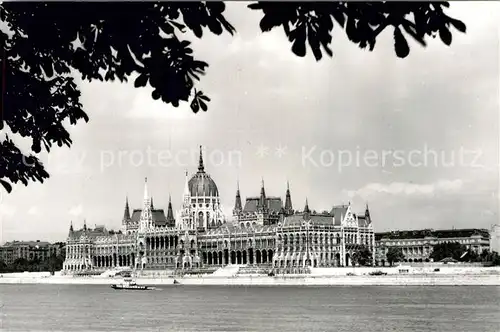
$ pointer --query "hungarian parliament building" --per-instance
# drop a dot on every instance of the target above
(262, 232)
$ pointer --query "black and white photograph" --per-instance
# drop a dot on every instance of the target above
(250, 166)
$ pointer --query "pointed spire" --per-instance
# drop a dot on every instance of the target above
(84, 224)
(71, 226)
(307, 212)
(146, 218)
(201, 167)
(170, 213)
(126, 213)
(262, 200)
(237, 201)
(288, 200)
(367, 212)
(306, 208)
(152, 206)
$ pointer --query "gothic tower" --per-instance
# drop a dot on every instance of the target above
(237, 202)
(126, 213)
(367, 214)
(146, 219)
(288, 201)
(262, 205)
(307, 212)
(170, 214)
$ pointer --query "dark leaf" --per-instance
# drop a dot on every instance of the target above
(267, 23)
(459, 25)
(400, 44)
(299, 45)
(203, 105)
(328, 50)
(195, 107)
(141, 81)
(299, 48)
(409, 30)
(203, 97)
(198, 32)
(255, 6)
(351, 30)
(156, 95)
(445, 35)
(339, 17)
(315, 46)
(6, 185)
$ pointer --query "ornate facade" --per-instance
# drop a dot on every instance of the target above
(263, 232)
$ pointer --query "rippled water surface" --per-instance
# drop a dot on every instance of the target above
(195, 308)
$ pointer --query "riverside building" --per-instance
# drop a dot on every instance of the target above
(262, 232)
(29, 250)
(417, 245)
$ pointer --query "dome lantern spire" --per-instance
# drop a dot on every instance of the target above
(201, 167)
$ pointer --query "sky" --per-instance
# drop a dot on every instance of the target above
(416, 138)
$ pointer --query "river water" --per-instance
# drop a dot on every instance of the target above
(205, 308)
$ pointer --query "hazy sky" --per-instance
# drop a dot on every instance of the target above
(421, 133)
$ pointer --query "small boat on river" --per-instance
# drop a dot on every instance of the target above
(129, 284)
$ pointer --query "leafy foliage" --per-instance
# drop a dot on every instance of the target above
(50, 40)
(362, 256)
(313, 22)
(48, 43)
(490, 257)
(444, 250)
(394, 255)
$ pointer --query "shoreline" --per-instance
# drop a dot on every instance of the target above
(289, 280)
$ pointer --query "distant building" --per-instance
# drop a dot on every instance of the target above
(417, 244)
(29, 250)
(495, 238)
(263, 232)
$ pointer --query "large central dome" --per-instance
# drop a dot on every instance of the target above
(201, 184)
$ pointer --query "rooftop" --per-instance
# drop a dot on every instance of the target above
(422, 233)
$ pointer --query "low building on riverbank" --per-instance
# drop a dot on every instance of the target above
(417, 245)
(29, 250)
